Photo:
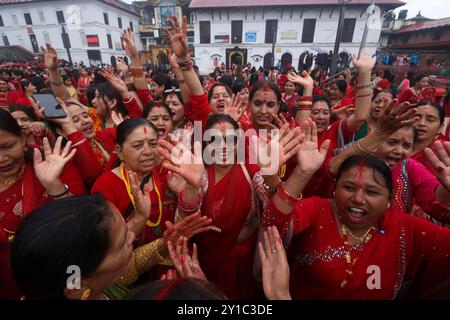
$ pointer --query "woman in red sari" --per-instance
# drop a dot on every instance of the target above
(420, 92)
(354, 246)
(225, 254)
(25, 185)
(83, 85)
(136, 147)
(431, 119)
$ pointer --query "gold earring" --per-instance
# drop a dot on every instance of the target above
(389, 205)
(334, 194)
(86, 293)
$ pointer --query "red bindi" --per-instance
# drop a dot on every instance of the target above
(361, 167)
(145, 130)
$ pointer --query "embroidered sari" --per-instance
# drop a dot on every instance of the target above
(317, 252)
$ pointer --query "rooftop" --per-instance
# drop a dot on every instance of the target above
(198, 4)
(429, 24)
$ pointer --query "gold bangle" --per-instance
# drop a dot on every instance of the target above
(57, 82)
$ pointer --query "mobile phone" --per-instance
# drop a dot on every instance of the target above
(125, 59)
(52, 109)
(114, 62)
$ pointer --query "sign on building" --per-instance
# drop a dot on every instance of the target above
(250, 37)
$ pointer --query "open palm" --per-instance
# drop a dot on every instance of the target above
(49, 169)
(310, 157)
(183, 162)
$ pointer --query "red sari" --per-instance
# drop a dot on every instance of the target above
(16, 203)
(113, 189)
(225, 262)
(422, 157)
(412, 96)
(317, 251)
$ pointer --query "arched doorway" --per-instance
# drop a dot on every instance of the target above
(162, 59)
(236, 56)
(302, 61)
(286, 60)
(268, 61)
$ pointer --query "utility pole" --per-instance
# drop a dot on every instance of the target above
(366, 30)
(337, 43)
(274, 40)
(66, 42)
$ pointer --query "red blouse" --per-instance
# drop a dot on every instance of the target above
(318, 251)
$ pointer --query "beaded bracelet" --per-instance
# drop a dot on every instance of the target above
(186, 65)
(287, 198)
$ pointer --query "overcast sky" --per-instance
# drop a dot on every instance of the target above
(433, 9)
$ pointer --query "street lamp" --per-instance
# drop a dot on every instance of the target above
(340, 29)
(66, 42)
(274, 40)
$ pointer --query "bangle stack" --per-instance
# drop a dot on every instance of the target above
(360, 148)
(287, 198)
(304, 103)
(186, 65)
(187, 207)
(137, 72)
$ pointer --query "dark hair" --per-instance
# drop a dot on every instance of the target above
(371, 162)
(418, 78)
(376, 93)
(27, 110)
(24, 83)
(106, 90)
(162, 80)
(266, 84)
(216, 118)
(415, 132)
(227, 80)
(155, 104)
(129, 125)
(178, 93)
(439, 109)
(238, 86)
(341, 85)
(179, 289)
(317, 98)
(214, 86)
(9, 124)
(410, 76)
(71, 231)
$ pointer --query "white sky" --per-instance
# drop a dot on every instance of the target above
(433, 9)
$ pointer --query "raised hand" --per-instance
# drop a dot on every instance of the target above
(142, 200)
(281, 147)
(178, 36)
(183, 162)
(234, 107)
(117, 118)
(175, 182)
(186, 265)
(365, 63)
(116, 82)
(310, 157)
(50, 57)
(441, 162)
(395, 117)
(304, 80)
(188, 227)
(275, 267)
(128, 43)
(37, 129)
(49, 170)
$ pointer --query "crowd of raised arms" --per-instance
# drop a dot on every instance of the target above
(120, 190)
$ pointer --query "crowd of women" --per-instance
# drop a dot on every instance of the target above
(358, 208)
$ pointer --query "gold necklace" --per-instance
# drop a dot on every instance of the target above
(363, 238)
(10, 181)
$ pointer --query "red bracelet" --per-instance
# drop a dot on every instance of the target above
(303, 108)
(305, 98)
(287, 198)
(186, 206)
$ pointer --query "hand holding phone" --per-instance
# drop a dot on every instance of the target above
(52, 109)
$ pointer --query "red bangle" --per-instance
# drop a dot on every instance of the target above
(303, 108)
(305, 98)
(287, 198)
(188, 207)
